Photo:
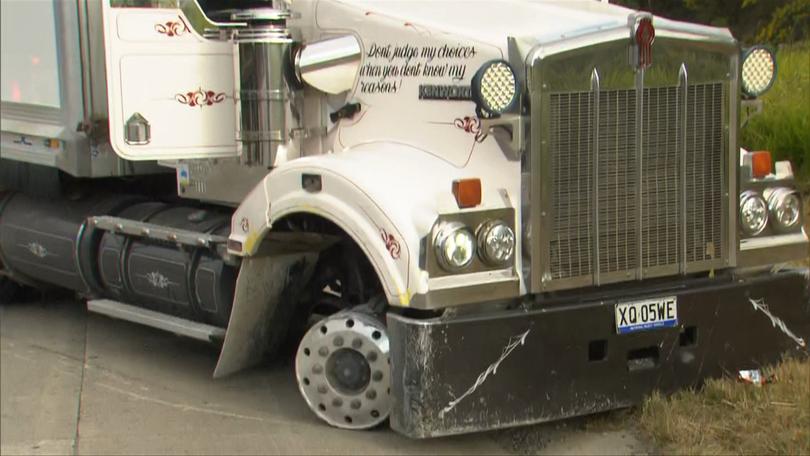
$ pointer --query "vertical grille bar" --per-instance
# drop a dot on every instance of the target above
(683, 98)
(596, 88)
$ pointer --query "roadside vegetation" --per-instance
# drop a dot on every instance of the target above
(730, 417)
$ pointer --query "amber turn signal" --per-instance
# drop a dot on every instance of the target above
(467, 192)
(761, 164)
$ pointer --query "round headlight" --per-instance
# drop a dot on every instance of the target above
(496, 242)
(455, 246)
(758, 70)
(785, 207)
(753, 213)
(494, 87)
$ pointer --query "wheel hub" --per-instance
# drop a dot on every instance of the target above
(343, 370)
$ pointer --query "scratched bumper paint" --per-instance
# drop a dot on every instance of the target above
(563, 358)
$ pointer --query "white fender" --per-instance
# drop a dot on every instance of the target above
(353, 189)
(385, 196)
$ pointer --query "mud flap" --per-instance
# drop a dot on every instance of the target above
(266, 291)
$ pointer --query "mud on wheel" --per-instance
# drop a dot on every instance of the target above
(343, 371)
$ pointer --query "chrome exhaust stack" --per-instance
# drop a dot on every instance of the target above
(261, 55)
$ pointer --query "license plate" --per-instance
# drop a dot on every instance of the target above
(647, 314)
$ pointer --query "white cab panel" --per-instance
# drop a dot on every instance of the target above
(180, 83)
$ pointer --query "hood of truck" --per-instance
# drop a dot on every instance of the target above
(531, 22)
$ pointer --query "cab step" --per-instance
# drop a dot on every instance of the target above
(169, 323)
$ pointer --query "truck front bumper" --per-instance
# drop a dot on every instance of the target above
(563, 358)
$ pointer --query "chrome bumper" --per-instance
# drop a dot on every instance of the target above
(773, 250)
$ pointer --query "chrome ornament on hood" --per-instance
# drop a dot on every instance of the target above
(643, 36)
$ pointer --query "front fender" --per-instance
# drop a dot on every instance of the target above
(385, 196)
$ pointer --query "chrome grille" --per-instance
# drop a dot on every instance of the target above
(661, 180)
(704, 172)
(607, 224)
(617, 186)
(572, 138)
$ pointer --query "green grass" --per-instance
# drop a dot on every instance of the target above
(784, 126)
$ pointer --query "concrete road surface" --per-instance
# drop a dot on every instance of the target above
(79, 383)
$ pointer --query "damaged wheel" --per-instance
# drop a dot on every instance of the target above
(343, 370)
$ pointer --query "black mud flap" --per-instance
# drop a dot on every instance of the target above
(509, 368)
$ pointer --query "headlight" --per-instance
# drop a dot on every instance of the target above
(496, 242)
(455, 246)
(785, 207)
(758, 70)
(753, 213)
(494, 87)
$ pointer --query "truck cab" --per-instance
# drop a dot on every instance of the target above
(421, 193)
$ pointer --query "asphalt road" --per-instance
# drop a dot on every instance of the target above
(73, 382)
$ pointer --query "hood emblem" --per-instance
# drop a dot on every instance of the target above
(643, 36)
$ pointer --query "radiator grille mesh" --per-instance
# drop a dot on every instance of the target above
(704, 163)
(617, 181)
(596, 195)
(572, 140)
(661, 178)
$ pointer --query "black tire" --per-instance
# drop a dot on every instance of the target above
(11, 291)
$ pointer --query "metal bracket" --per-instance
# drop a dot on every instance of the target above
(509, 131)
(750, 109)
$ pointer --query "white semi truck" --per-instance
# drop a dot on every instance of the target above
(471, 215)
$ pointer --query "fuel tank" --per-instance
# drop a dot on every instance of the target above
(50, 242)
(188, 282)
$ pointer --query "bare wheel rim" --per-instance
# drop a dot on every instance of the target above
(343, 371)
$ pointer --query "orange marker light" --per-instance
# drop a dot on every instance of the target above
(467, 192)
(761, 164)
